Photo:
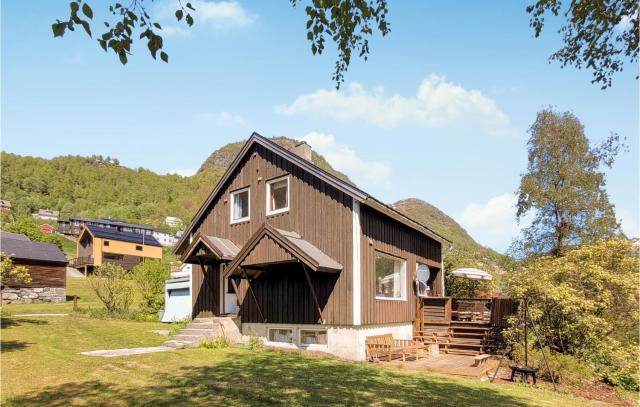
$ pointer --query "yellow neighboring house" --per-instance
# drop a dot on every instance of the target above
(97, 245)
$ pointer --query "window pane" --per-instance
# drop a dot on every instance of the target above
(389, 277)
(240, 205)
(278, 199)
(313, 337)
(281, 335)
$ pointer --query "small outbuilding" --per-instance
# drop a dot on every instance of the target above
(46, 264)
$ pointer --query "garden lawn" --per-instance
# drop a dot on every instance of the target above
(41, 365)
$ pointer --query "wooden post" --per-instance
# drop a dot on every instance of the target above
(75, 302)
(254, 296)
(313, 292)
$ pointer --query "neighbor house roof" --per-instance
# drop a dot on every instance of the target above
(104, 233)
(111, 222)
(27, 250)
(9, 235)
(269, 245)
(349, 189)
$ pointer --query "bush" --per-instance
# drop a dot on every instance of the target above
(217, 343)
(112, 285)
(255, 342)
(566, 369)
(149, 277)
(29, 228)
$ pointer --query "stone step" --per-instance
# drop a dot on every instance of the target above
(181, 344)
(202, 325)
(199, 331)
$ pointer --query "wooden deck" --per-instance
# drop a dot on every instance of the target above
(459, 365)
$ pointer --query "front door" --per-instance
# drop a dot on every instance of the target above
(230, 298)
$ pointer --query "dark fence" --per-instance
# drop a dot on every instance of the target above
(501, 310)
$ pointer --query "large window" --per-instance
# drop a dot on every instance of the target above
(391, 275)
(284, 335)
(278, 195)
(240, 205)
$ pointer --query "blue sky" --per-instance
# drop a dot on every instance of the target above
(438, 112)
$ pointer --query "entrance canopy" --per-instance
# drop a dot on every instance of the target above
(209, 247)
(473, 274)
(269, 246)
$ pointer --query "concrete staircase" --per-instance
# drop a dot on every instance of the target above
(205, 329)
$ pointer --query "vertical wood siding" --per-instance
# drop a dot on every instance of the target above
(205, 300)
(320, 213)
(42, 274)
(381, 233)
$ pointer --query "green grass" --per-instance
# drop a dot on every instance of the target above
(41, 365)
(68, 247)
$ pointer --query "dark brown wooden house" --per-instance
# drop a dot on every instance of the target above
(46, 264)
(304, 258)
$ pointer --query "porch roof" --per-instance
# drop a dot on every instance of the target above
(211, 247)
(270, 245)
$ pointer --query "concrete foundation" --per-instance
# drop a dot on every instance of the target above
(347, 342)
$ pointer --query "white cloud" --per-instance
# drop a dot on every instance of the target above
(437, 103)
(341, 157)
(222, 14)
(625, 23)
(185, 172)
(493, 223)
(175, 31)
(629, 223)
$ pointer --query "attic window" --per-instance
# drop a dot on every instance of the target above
(106, 243)
(278, 195)
(240, 205)
(138, 247)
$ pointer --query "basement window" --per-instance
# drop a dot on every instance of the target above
(313, 336)
(240, 205)
(278, 195)
(283, 335)
(391, 277)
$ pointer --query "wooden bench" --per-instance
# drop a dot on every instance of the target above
(379, 346)
(481, 359)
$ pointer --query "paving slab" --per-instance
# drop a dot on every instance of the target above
(161, 332)
(110, 353)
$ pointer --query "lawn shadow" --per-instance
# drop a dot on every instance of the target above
(10, 346)
(9, 321)
(273, 378)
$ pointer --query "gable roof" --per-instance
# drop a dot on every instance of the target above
(341, 185)
(27, 250)
(105, 233)
(223, 249)
(269, 245)
(9, 235)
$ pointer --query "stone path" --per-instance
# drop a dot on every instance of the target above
(39, 315)
(110, 353)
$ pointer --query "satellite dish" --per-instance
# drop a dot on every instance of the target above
(423, 273)
(422, 278)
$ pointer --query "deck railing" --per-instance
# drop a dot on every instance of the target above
(471, 309)
(81, 261)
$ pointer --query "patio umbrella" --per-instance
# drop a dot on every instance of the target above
(471, 273)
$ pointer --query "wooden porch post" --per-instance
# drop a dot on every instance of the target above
(253, 295)
(313, 292)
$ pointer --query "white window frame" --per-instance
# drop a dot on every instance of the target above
(300, 343)
(403, 292)
(290, 328)
(232, 196)
(281, 210)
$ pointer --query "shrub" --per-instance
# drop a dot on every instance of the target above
(112, 285)
(149, 277)
(566, 369)
(10, 273)
(255, 342)
(217, 343)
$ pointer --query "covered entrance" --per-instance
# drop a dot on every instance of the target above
(282, 278)
(213, 294)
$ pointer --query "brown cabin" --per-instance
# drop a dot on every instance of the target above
(303, 258)
(45, 263)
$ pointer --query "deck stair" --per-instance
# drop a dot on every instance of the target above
(204, 329)
(467, 338)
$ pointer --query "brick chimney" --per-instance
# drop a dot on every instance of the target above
(303, 150)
